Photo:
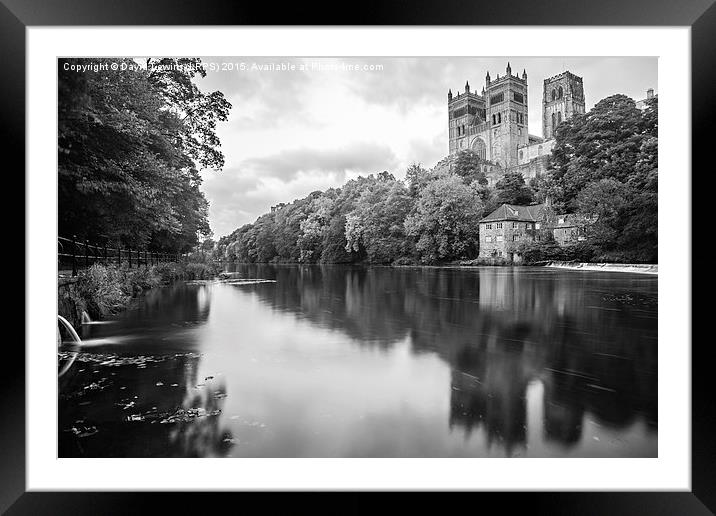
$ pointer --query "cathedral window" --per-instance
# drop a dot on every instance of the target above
(561, 92)
(496, 99)
(559, 117)
(499, 118)
(554, 120)
(554, 94)
(494, 120)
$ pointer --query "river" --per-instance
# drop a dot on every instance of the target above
(330, 361)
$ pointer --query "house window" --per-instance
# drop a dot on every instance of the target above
(537, 225)
(499, 225)
(499, 118)
(488, 226)
(561, 220)
(500, 238)
(515, 225)
(488, 239)
(515, 238)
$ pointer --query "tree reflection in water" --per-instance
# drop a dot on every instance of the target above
(589, 340)
(157, 398)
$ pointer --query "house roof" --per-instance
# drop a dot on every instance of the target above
(531, 213)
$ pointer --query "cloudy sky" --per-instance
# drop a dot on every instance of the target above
(293, 131)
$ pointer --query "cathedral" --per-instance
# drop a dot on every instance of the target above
(494, 123)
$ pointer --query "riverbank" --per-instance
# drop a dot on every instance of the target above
(103, 290)
(639, 268)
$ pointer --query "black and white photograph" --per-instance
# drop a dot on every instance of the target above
(357, 257)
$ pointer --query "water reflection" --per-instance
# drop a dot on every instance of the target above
(590, 340)
(349, 361)
(138, 393)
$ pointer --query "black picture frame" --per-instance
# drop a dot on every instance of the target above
(17, 15)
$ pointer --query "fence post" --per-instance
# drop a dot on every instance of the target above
(119, 256)
(74, 257)
(105, 253)
(146, 261)
(129, 250)
(86, 253)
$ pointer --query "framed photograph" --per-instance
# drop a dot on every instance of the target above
(415, 251)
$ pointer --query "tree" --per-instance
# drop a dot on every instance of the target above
(446, 221)
(605, 167)
(375, 227)
(469, 166)
(511, 189)
(603, 143)
(130, 143)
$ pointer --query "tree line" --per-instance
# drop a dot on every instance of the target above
(603, 169)
(131, 142)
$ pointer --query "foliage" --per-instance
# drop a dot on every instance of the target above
(446, 221)
(550, 251)
(106, 289)
(375, 227)
(604, 167)
(511, 189)
(100, 288)
(469, 166)
(130, 144)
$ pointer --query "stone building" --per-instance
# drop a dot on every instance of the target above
(643, 103)
(504, 229)
(566, 230)
(494, 123)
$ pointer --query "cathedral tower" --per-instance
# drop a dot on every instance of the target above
(507, 114)
(466, 111)
(563, 97)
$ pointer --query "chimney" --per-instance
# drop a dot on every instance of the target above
(650, 93)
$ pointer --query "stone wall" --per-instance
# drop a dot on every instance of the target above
(504, 239)
(69, 305)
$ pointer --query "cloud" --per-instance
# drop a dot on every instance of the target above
(261, 94)
(361, 157)
(239, 195)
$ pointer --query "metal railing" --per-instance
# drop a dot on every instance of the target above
(75, 254)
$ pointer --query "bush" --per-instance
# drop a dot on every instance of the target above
(106, 289)
(100, 287)
(137, 280)
(404, 260)
(535, 252)
(198, 271)
(168, 272)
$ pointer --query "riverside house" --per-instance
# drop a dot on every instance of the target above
(509, 225)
